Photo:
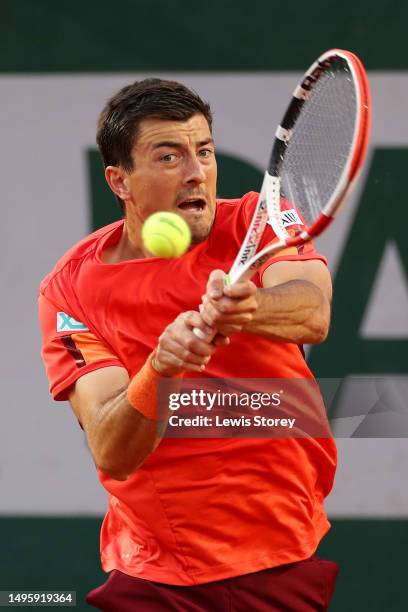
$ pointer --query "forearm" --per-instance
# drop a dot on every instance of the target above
(121, 438)
(124, 421)
(127, 427)
(297, 311)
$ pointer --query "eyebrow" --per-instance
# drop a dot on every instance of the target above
(178, 145)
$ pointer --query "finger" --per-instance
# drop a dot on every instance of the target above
(228, 306)
(192, 343)
(221, 340)
(168, 362)
(165, 362)
(209, 314)
(194, 319)
(215, 284)
(180, 353)
(240, 290)
(230, 324)
(182, 332)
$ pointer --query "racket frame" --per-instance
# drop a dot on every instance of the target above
(268, 204)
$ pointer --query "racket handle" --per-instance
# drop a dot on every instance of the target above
(206, 337)
(201, 334)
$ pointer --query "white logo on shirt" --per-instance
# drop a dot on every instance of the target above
(67, 323)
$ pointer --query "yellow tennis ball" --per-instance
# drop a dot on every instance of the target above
(166, 234)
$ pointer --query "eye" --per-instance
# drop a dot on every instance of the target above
(169, 157)
(205, 153)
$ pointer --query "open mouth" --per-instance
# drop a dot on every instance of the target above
(194, 205)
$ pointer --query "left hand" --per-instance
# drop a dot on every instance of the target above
(180, 349)
(228, 308)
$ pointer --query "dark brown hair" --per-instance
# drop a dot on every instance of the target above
(118, 123)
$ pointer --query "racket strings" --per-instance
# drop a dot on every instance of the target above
(319, 148)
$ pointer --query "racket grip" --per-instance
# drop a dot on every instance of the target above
(199, 333)
(202, 335)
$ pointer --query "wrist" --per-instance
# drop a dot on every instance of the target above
(142, 391)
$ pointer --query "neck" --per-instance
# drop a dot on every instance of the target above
(129, 246)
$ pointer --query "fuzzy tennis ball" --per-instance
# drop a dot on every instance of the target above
(166, 234)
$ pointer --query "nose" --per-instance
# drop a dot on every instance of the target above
(194, 171)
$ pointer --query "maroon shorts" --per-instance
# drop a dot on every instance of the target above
(305, 586)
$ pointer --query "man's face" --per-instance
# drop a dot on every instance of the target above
(174, 169)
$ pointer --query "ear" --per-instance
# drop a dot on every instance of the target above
(117, 180)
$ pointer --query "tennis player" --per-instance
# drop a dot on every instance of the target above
(192, 524)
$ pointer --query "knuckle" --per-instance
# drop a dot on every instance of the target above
(215, 314)
(185, 355)
(183, 316)
(176, 361)
(224, 307)
(163, 358)
(189, 345)
(208, 318)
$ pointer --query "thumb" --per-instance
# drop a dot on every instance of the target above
(215, 284)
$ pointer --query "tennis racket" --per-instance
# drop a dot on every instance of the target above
(317, 154)
(318, 151)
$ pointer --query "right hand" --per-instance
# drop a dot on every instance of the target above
(180, 349)
(228, 308)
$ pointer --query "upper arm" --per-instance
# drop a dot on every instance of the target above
(69, 349)
(311, 270)
(94, 389)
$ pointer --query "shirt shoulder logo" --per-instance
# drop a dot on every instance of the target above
(67, 323)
